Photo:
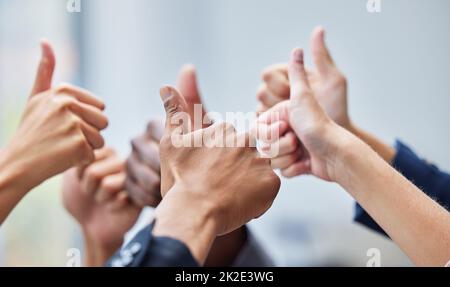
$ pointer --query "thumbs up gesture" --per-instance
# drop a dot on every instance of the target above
(329, 86)
(60, 128)
(232, 180)
(320, 138)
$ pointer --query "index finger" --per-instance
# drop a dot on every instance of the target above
(81, 95)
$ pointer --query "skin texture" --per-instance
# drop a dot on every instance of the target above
(95, 196)
(230, 187)
(415, 222)
(330, 90)
(144, 174)
(60, 128)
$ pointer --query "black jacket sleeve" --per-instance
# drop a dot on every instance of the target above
(146, 250)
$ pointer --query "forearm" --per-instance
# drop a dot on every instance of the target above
(95, 253)
(414, 221)
(384, 150)
(12, 187)
(176, 217)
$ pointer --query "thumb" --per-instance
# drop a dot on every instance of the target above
(305, 111)
(298, 79)
(187, 84)
(43, 81)
(320, 54)
(177, 118)
(188, 87)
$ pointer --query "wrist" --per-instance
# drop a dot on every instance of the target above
(96, 252)
(17, 172)
(352, 155)
(329, 147)
(188, 219)
(352, 128)
(12, 175)
(385, 151)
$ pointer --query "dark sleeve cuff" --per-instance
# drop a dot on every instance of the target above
(146, 250)
(426, 176)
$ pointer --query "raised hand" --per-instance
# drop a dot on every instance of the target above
(333, 153)
(309, 122)
(143, 167)
(95, 196)
(144, 173)
(60, 128)
(225, 186)
(326, 81)
(329, 86)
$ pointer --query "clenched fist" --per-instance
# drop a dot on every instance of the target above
(95, 196)
(225, 186)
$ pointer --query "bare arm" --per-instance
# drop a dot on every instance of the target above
(414, 221)
(419, 225)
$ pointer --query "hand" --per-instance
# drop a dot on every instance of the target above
(144, 173)
(96, 198)
(59, 129)
(227, 187)
(143, 167)
(333, 153)
(326, 81)
(329, 86)
(330, 89)
(307, 119)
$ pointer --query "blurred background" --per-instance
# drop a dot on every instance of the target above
(396, 62)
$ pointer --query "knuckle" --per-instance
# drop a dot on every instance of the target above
(166, 140)
(286, 174)
(107, 185)
(153, 124)
(82, 147)
(261, 95)
(292, 141)
(340, 79)
(63, 103)
(266, 74)
(75, 123)
(74, 126)
(285, 91)
(110, 151)
(135, 143)
(63, 88)
(92, 174)
(165, 144)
